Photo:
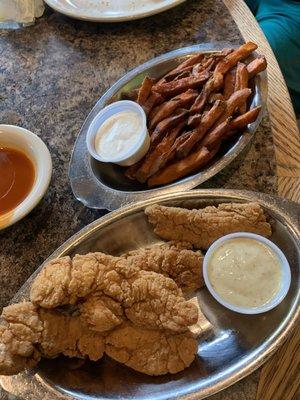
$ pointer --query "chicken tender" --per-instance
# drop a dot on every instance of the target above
(23, 329)
(31, 332)
(151, 352)
(202, 227)
(175, 260)
(67, 335)
(10, 362)
(101, 313)
(149, 299)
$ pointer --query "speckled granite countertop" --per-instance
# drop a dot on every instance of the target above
(52, 73)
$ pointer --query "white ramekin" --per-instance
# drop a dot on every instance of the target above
(26, 141)
(285, 274)
(134, 154)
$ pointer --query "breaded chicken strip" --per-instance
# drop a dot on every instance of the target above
(151, 352)
(67, 335)
(11, 362)
(149, 299)
(175, 260)
(31, 332)
(202, 227)
(101, 313)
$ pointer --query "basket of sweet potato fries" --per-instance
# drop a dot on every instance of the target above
(193, 110)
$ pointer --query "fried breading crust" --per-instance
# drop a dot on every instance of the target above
(101, 313)
(31, 332)
(49, 333)
(149, 299)
(175, 260)
(202, 227)
(151, 352)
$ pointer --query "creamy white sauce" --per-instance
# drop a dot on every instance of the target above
(245, 272)
(118, 134)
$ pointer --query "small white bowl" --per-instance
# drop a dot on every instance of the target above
(285, 274)
(134, 154)
(30, 144)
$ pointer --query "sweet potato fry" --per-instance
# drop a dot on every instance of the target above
(256, 66)
(194, 120)
(215, 136)
(207, 121)
(233, 58)
(213, 84)
(176, 87)
(209, 62)
(144, 90)
(229, 84)
(183, 167)
(187, 65)
(159, 156)
(153, 100)
(182, 75)
(223, 53)
(235, 100)
(172, 76)
(205, 65)
(168, 123)
(241, 82)
(243, 120)
(214, 97)
(166, 109)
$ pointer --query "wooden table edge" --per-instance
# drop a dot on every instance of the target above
(284, 127)
(280, 376)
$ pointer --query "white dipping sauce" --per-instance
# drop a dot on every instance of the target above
(245, 272)
(118, 134)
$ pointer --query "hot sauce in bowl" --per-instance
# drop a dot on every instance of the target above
(25, 173)
(17, 178)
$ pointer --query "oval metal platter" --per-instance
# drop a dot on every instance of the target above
(103, 185)
(234, 345)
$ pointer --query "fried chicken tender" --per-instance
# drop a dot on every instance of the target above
(101, 313)
(31, 332)
(23, 328)
(65, 334)
(175, 260)
(149, 299)
(11, 363)
(151, 352)
(202, 227)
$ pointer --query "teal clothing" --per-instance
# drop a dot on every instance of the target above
(280, 22)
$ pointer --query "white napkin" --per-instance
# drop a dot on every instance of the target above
(20, 11)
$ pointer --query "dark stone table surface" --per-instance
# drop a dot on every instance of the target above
(53, 72)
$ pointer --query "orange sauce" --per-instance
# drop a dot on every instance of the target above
(17, 176)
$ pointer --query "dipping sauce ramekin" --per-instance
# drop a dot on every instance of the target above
(35, 149)
(135, 143)
(285, 276)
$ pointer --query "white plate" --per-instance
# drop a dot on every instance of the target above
(111, 10)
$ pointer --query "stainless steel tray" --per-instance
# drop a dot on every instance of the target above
(235, 347)
(103, 185)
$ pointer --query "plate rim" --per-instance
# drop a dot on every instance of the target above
(110, 19)
(110, 198)
(272, 203)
